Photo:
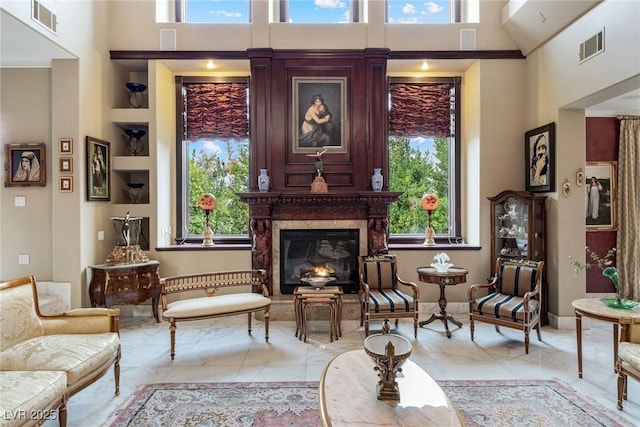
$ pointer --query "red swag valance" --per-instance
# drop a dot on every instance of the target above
(216, 110)
(421, 110)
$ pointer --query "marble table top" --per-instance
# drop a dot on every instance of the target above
(348, 396)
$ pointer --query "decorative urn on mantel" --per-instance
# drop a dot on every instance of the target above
(263, 181)
(377, 180)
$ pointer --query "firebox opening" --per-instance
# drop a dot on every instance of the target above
(305, 252)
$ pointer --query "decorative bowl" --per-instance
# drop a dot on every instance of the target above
(317, 282)
(135, 133)
(388, 353)
(621, 303)
(136, 87)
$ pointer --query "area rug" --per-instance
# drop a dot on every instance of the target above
(295, 404)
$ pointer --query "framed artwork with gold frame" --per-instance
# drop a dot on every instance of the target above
(25, 165)
(601, 196)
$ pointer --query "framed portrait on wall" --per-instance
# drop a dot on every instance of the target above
(98, 169)
(539, 153)
(24, 165)
(600, 196)
(65, 146)
(319, 114)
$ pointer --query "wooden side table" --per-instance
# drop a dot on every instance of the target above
(305, 296)
(451, 277)
(125, 284)
(594, 308)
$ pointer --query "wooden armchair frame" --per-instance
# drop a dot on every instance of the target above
(367, 308)
(526, 305)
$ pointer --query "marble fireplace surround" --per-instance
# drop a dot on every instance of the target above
(271, 212)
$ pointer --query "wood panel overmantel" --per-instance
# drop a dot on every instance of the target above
(264, 208)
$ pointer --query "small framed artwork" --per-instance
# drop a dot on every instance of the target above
(66, 164)
(24, 165)
(539, 153)
(65, 146)
(600, 196)
(98, 169)
(66, 184)
(319, 114)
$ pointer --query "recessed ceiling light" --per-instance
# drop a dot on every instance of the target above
(424, 66)
(210, 65)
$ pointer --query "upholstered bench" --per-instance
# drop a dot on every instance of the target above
(32, 397)
(213, 305)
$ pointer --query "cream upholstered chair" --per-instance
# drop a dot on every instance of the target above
(514, 298)
(380, 294)
(628, 360)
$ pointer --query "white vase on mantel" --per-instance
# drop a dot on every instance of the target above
(263, 181)
(377, 179)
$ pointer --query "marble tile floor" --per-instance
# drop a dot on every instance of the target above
(220, 350)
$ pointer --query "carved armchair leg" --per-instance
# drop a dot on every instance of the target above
(267, 315)
(249, 323)
(172, 328)
(116, 372)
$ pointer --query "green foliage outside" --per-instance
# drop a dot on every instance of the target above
(209, 173)
(414, 173)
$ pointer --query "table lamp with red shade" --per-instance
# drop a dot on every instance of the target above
(429, 203)
(208, 203)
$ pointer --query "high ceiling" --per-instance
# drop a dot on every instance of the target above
(21, 46)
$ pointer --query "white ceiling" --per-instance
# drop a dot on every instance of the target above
(22, 46)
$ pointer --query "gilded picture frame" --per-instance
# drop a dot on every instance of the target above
(600, 192)
(319, 116)
(98, 169)
(25, 165)
(539, 157)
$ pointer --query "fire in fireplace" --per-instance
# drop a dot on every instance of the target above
(308, 253)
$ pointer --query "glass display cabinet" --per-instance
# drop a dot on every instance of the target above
(518, 231)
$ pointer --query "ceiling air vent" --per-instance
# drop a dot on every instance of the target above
(44, 16)
(592, 46)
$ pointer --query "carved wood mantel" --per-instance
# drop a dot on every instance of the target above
(264, 208)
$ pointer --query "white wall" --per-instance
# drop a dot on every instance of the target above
(555, 80)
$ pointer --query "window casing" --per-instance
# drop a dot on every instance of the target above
(424, 112)
(212, 155)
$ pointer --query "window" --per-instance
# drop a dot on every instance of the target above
(424, 155)
(432, 11)
(318, 11)
(204, 11)
(212, 154)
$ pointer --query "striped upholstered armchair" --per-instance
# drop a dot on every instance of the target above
(628, 358)
(514, 298)
(381, 297)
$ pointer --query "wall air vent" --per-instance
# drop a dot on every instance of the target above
(43, 16)
(592, 46)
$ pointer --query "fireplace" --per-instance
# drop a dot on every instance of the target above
(273, 212)
(304, 251)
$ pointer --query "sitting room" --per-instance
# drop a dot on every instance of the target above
(254, 192)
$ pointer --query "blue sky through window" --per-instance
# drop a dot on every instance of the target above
(219, 11)
(319, 11)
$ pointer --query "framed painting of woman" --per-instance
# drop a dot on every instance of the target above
(318, 114)
(600, 196)
(98, 169)
(24, 165)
